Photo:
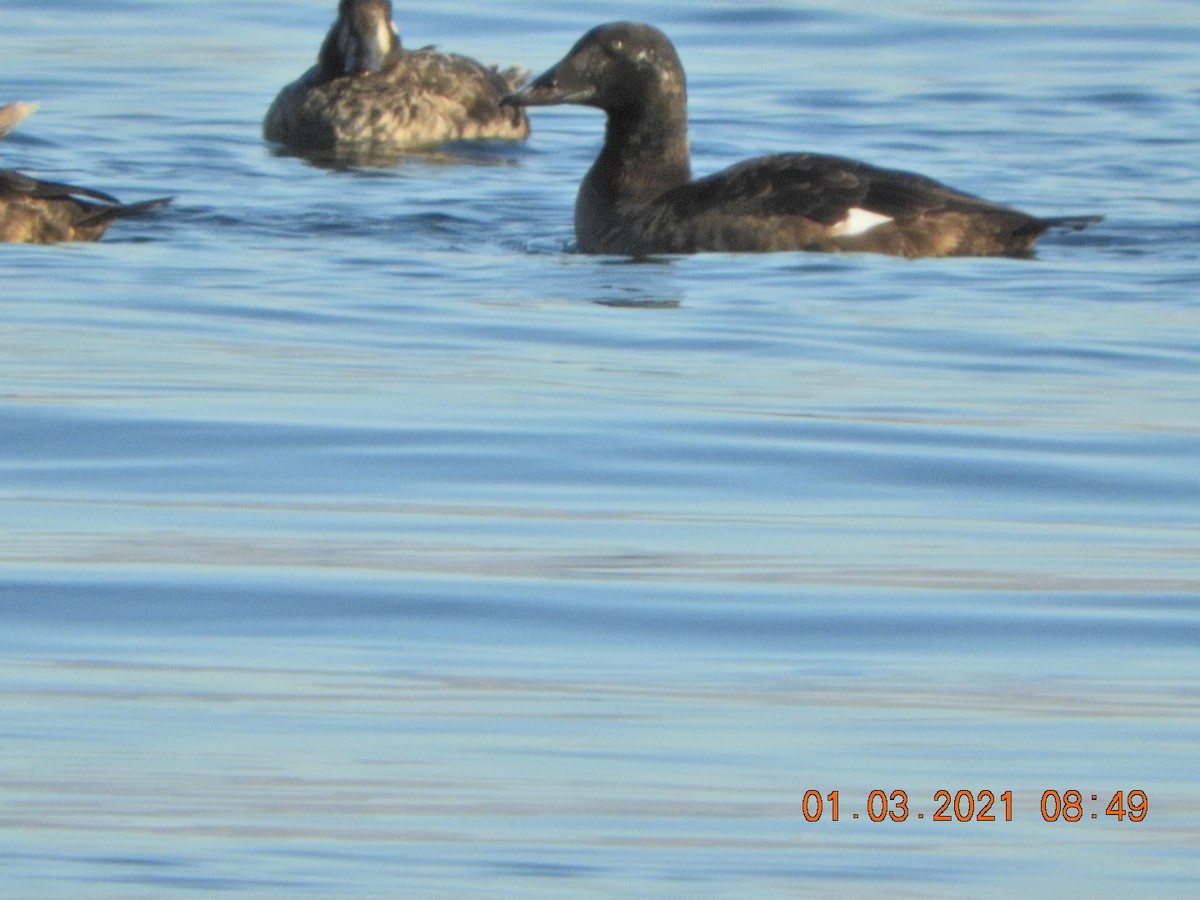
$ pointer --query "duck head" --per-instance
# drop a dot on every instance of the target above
(363, 39)
(615, 67)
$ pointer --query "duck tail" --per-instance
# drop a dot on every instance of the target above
(122, 210)
(514, 77)
(1069, 223)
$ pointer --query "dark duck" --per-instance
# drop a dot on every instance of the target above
(368, 95)
(46, 212)
(639, 198)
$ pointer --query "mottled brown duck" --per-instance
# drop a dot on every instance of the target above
(368, 95)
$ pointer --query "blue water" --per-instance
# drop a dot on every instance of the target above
(359, 539)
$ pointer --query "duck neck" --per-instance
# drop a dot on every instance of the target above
(645, 153)
(361, 42)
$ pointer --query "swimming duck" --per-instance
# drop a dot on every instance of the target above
(366, 92)
(639, 197)
(46, 212)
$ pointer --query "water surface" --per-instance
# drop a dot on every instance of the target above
(360, 539)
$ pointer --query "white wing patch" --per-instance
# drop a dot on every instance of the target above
(858, 221)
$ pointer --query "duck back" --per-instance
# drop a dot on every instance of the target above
(808, 202)
(422, 99)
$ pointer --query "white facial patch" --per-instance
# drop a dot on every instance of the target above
(858, 221)
(356, 60)
(384, 32)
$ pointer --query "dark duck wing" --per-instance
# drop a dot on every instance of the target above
(638, 198)
(367, 94)
(46, 212)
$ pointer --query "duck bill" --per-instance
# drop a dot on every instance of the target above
(366, 44)
(548, 89)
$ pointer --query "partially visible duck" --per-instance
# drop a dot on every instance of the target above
(639, 197)
(45, 212)
(367, 93)
(12, 114)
